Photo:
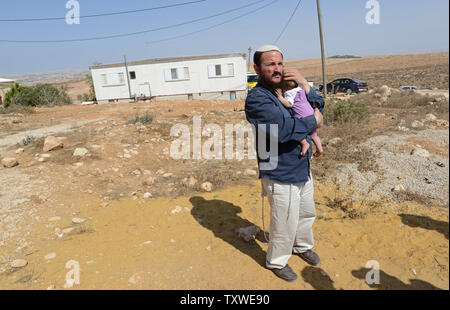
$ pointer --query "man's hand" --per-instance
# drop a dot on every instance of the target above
(319, 117)
(295, 75)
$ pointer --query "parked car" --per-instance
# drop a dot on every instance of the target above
(347, 85)
(409, 88)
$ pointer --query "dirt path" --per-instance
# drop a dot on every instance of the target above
(188, 243)
(8, 141)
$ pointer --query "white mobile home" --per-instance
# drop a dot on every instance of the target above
(183, 78)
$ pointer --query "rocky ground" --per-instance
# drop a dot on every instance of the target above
(105, 194)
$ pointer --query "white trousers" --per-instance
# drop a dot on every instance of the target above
(292, 214)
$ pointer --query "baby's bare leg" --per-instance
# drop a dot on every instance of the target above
(305, 146)
(318, 144)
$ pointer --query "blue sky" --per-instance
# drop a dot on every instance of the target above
(406, 26)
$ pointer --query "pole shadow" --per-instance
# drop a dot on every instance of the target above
(221, 217)
(388, 282)
(317, 278)
(425, 222)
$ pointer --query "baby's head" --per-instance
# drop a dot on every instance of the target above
(288, 85)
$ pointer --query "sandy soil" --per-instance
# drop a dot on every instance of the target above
(183, 237)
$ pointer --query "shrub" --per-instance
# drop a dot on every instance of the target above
(10, 96)
(345, 111)
(146, 119)
(43, 94)
(91, 96)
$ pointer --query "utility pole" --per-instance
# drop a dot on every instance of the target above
(128, 78)
(248, 62)
(322, 51)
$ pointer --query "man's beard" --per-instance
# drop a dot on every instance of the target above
(269, 84)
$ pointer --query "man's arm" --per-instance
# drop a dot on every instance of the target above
(316, 100)
(260, 110)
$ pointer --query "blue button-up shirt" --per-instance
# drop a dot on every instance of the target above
(263, 108)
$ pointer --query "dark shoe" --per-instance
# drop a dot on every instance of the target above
(310, 257)
(285, 273)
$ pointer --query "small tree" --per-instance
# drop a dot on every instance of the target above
(12, 94)
(43, 94)
(92, 96)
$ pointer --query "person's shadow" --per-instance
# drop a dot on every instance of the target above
(222, 219)
(317, 278)
(388, 282)
(425, 222)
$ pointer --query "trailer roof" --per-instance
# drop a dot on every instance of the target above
(168, 60)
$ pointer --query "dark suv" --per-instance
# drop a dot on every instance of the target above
(347, 85)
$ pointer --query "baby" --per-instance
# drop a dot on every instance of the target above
(295, 99)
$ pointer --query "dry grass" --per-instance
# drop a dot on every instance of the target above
(17, 108)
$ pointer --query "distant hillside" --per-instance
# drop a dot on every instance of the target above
(50, 77)
(424, 70)
(344, 56)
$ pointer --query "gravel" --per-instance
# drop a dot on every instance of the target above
(423, 176)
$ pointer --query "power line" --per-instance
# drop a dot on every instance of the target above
(290, 18)
(214, 26)
(101, 15)
(132, 33)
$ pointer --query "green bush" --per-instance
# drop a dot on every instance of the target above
(146, 119)
(10, 96)
(43, 94)
(345, 111)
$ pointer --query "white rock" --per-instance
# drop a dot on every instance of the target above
(399, 188)
(77, 220)
(420, 152)
(251, 172)
(19, 263)
(177, 209)
(207, 186)
(147, 195)
(430, 117)
(385, 91)
(80, 151)
(20, 150)
(416, 124)
(67, 230)
(127, 155)
(51, 255)
(402, 128)
(54, 219)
